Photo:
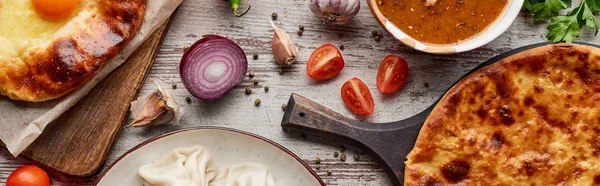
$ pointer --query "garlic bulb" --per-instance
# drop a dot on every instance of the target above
(335, 12)
(154, 109)
(284, 51)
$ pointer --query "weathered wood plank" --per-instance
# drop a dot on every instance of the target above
(253, 32)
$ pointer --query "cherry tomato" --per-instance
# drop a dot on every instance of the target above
(28, 175)
(325, 63)
(392, 74)
(357, 97)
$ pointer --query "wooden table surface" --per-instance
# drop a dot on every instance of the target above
(430, 76)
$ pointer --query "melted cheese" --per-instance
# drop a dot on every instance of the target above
(42, 59)
(21, 27)
(530, 119)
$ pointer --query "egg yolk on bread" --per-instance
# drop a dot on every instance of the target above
(54, 10)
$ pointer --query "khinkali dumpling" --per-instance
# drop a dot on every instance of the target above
(186, 166)
(247, 174)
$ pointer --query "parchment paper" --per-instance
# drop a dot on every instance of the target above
(22, 122)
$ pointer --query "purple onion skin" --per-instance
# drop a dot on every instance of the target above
(335, 12)
(210, 45)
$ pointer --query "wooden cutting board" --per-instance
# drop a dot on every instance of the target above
(77, 144)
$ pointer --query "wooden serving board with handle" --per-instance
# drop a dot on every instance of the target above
(387, 143)
(77, 144)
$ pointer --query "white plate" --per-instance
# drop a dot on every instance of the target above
(227, 147)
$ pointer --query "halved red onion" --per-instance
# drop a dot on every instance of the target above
(212, 67)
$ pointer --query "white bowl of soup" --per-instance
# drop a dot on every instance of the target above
(445, 26)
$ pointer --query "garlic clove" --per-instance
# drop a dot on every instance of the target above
(154, 109)
(284, 51)
(170, 101)
(148, 110)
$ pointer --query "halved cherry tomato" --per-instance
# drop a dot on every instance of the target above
(392, 74)
(357, 97)
(325, 63)
(28, 175)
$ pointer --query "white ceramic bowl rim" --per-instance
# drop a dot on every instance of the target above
(212, 128)
(494, 30)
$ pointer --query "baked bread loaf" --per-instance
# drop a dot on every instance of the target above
(531, 119)
(46, 54)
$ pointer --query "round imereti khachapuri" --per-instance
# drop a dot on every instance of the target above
(49, 48)
(531, 119)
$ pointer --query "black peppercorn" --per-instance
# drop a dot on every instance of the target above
(274, 16)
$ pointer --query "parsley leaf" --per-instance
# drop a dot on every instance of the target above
(546, 9)
(529, 4)
(567, 28)
(594, 5)
(563, 28)
(588, 17)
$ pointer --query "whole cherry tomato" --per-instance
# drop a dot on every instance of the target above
(28, 175)
(392, 74)
(325, 63)
(357, 97)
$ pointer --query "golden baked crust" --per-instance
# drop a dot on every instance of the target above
(530, 119)
(69, 61)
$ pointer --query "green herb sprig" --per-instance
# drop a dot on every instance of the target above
(545, 9)
(565, 27)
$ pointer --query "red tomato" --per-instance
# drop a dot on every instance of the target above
(28, 175)
(392, 74)
(325, 63)
(357, 97)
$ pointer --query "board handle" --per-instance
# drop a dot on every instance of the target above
(387, 143)
(306, 116)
